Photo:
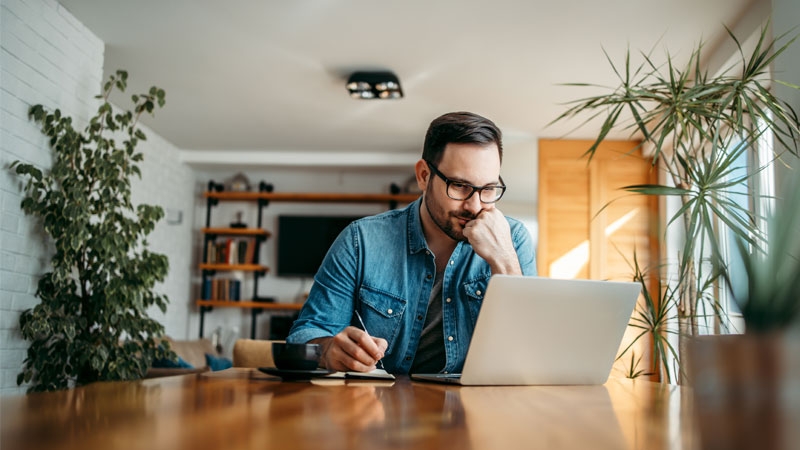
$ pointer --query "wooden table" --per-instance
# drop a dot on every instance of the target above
(244, 409)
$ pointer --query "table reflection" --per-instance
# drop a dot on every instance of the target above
(365, 414)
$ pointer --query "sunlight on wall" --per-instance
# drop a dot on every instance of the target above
(571, 263)
(619, 223)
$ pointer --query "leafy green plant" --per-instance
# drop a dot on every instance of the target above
(767, 288)
(652, 320)
(92, 321)
(633, 370)
(698, 126)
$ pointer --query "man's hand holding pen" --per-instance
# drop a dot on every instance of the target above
(353, 349)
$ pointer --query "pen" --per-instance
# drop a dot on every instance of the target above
(361, 321)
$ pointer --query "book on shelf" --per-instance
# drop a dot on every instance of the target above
(235, 290)
(207, 289)
(231, 251)
(241, 251)
(222, 289)
(211, 252)
(250, 251)
(231, 256)
(215, 294)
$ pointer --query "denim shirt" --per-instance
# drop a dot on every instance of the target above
(382, 266)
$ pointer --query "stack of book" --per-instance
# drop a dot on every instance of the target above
(222, 289)
(231, 251)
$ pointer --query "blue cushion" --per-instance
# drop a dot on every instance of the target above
(166, 363)
(218, 362)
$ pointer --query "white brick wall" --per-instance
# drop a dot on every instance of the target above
(49, 57)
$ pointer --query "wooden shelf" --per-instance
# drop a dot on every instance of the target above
(318, 197)
(250, 305)
(242, 267)
(257, 232)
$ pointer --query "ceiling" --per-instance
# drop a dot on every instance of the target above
(254, 77)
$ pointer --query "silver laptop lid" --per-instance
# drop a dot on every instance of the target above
(534, 330)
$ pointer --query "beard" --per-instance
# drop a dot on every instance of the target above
(447, 221)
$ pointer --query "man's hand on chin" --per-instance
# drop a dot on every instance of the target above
(490, 236)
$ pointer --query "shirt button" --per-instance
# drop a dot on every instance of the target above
(419, 317)
(450, 338)
(408, 358)
(428, 276)
(388, 311)
(452, 262)
(478, 292)
(448, 300)
(427, 252)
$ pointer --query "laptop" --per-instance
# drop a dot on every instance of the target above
(545, 331)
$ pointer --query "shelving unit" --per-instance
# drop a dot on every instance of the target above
(210, 268)
(392, 200)
(215, 194)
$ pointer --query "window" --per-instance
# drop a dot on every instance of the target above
(756, 195)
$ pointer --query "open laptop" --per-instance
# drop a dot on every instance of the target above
(545, 331)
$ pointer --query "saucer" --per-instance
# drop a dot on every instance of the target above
(295, 375)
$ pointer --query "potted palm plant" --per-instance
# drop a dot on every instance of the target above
(698, 129)
(746, 386)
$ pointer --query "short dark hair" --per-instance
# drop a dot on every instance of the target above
(461, 128)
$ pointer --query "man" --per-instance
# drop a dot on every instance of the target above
(417, 276)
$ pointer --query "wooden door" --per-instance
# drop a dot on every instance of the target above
(587, 225)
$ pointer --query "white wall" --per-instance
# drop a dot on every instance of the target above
(168, 183)
(48, 57)
(785, 14)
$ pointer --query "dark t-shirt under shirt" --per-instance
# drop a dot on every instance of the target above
(430, 356)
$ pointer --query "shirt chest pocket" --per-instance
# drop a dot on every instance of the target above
(382, 313)
(474, 291)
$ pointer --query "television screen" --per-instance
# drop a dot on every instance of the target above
(303, 242)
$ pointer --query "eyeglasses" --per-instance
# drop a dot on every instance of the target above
(457, 190)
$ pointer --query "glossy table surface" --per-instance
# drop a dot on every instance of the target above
(244, 409)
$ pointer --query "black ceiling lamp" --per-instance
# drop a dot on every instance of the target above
(369, 85)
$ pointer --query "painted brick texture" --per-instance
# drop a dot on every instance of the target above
(47, 56)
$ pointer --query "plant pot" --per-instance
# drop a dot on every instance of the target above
(746, 390)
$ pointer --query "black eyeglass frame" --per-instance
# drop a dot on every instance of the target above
(474, 188)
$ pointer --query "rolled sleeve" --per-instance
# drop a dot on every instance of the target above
(523, 243)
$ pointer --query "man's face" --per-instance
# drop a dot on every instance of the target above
(475, 164)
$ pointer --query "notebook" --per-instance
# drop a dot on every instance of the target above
(377, 374)
(545, 331)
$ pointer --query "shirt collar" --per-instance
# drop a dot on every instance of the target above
(416, 240)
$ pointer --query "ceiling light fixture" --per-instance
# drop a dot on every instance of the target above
(368, 85)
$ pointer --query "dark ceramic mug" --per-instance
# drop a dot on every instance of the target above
(296, 356)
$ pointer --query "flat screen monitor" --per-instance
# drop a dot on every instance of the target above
(303, 242)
